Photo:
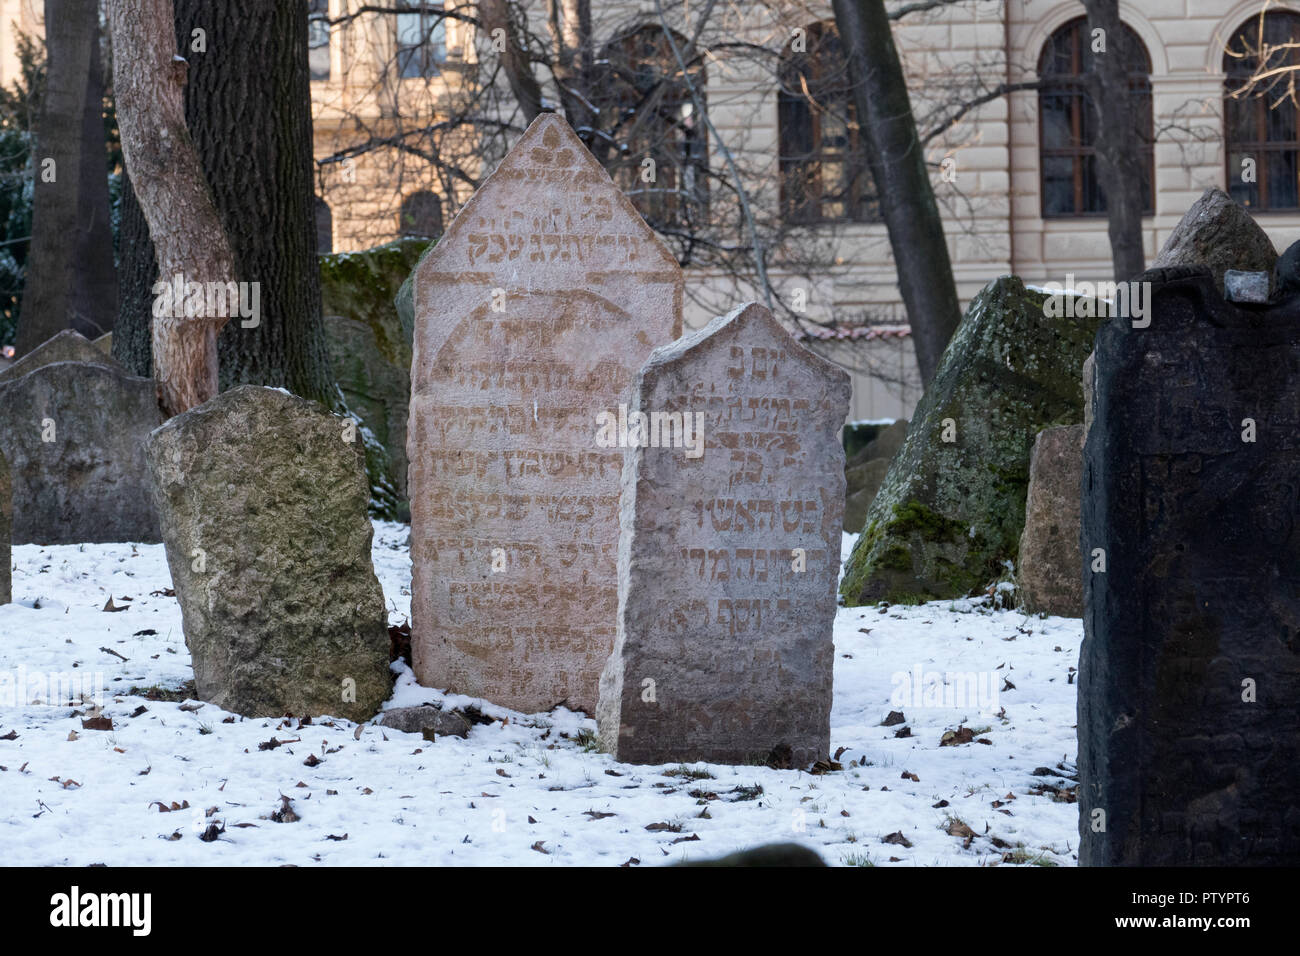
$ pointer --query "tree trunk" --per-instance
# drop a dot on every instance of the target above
(897, 160)
(1119, 145)
(164, 168)
(137, 271)
(71, 281)
(518, 66)
(248, 103)
(570, 27)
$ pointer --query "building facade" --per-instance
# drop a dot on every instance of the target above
(398, 151)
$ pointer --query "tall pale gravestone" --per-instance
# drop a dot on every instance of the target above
(533, 313)
(263, 497)
(1189, 673)
(729, 551)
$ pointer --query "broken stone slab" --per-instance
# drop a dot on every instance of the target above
(422, 719)
(74, 435)
(1049, 571)
(951, 510)
(729, 551)
(533, 313)
(1219, 233)
(263, 501)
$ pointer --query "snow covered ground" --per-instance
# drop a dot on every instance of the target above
(526, 789)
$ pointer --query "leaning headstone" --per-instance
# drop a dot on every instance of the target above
(74, 435)
(729, 551)
(1189, 673)
(534, 312)
(67, 346)
(1219, 233)
(6, 532)
(1049, 572)
(952, 508)
(263, 498)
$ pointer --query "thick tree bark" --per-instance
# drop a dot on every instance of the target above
(897, 160)
(71, 281)
(137, 271)
(1120, 158)
(248, 103)
(147, 81)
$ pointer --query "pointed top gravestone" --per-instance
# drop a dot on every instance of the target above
(532, 315)
(730, 551)
(67, 346)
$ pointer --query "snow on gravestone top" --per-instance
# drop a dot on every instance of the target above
(533, 313)
(729, 553)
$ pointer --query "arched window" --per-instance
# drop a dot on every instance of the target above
(1067, 122)
(421, 215)
(324, 227)
(1260, 127)
(659, 156)
(824, 173)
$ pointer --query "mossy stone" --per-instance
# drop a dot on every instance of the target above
(950, 512)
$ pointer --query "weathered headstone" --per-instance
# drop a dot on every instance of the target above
(263, 499)
(74, 435)
(6, 532)
(729, 551)
(67, 346)
(1219, 233)
(865, 472)
(533, 313)
(951, 510)
(1049, 571)
(1189, 674)
(370, 354)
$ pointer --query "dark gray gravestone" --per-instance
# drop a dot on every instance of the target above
(1189, 674)
(74, 434)
(728, 551)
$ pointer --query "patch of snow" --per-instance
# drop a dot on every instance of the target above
(75, 796)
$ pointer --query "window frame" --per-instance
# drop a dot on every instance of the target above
(430, 56)
(1260, 148)
(858, 193)
(1074, 85)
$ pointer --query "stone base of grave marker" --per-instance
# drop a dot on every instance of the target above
(1189, 674)
(728, 555)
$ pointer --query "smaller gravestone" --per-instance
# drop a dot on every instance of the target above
(1189, 671)
(67, 346)
(262, 497)
(6, 533)
(74, 435)
(1049, 572)
(731, 515)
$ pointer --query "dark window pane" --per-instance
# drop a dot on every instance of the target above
(1068, 121)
